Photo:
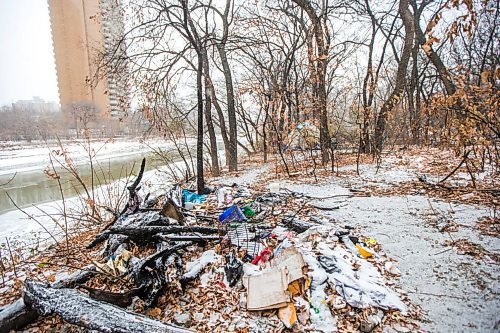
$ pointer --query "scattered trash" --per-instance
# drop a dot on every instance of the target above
(267, 290)
(233, 213)
(292, 263)
(245, 237)
(248, 211)
(221, 197)
(296, 224)
(194, 268)
(182, 319)
(364, 252)
(371, 322)
(288, 315)
(360, 287)
(189, 196)
(391, 268)
(116, 265)
(233, 269)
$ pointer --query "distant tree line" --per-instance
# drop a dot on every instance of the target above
(24, 124)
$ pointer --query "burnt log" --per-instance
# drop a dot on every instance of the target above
(145, 233)
(200, 239)
(120, 299)
(79, 309)
(149, 272)
(17, 315)
(137, 220)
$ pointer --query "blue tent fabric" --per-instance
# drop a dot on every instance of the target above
(233, 213)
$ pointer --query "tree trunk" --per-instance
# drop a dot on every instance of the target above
(443, 72)
(397, 93)
(222, 121)
(208, 115)
(200, 177)
(231, 110)
(17, 315)
(318, 74)
(414, 116)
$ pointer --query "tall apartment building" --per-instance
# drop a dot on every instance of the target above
(82, 30)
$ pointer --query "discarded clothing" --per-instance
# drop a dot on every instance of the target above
(263, 257)
(321, 316)
(296, 224)
(362, 288)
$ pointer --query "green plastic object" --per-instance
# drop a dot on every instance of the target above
(248, 211)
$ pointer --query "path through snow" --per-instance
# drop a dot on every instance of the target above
(457, 292)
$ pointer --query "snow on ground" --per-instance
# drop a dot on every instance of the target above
(32, 158)
(246, 177)
(457, 292)
(26, 232)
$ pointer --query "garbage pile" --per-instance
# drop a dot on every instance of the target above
(233, 260)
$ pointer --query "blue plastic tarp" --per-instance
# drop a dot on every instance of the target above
(193, 197)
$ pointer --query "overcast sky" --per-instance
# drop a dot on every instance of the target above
(27, 65)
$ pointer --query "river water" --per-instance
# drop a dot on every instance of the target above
(34, 187)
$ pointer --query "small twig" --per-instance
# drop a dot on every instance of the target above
(448, 249)
(3, 268)
(11, 257)
(10, 180)
(436, 295)
(466, 155)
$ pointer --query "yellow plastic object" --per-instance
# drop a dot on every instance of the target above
(288, 315)
(307, 284)
(295, 288)
(371, 242)
(365, 253)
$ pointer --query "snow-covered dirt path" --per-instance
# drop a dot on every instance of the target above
(458, 293)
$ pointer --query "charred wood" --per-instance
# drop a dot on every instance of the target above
(79, 309)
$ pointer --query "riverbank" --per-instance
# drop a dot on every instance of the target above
(21, 157)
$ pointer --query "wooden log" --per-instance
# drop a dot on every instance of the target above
(149, 231)
(120, 299)
(79, 309)
(139, 268)
(193, 238)
(140, 220)
(17, 315)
